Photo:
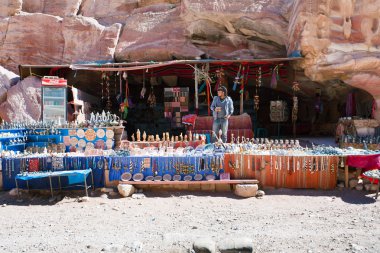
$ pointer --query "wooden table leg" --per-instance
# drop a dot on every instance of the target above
(60, 186)
(18, 191)
(51, 188)
(92, 177)
(346, 175)
(85, 184)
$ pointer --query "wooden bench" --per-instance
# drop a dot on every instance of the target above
(193, 185)
(232, 181)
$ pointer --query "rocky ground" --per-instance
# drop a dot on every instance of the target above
(281, 221)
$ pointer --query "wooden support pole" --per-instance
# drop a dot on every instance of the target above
(241, 103)
(196, 90)
(346, 175)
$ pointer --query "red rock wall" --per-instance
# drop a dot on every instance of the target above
(339, 39)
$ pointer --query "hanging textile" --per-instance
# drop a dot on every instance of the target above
(208, 88)
(124, 106)
(374, 107)
(274, 79)
(237, 79)
(351, 105)
(244, 79)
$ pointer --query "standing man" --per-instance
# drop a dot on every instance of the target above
(222, 108)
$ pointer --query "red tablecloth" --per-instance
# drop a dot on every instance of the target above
(365, 162)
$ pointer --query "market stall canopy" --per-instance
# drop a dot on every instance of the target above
(178, 67)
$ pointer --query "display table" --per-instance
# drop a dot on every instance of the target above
(12, 166)
(74, 176)
(365, 162)
(181, 166)
(375, 175)
(355, 127)
(309, 172)
(146, 144)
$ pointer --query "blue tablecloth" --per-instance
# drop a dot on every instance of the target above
(12, 166)
(74, 176)
(159, 166)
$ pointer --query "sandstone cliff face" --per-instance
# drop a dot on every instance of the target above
(10, 7)
(7, 79)
(23, 102)
(59, 32)
(339, 39)
(45, 39)
(56, 8)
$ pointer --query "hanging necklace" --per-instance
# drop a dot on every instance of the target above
(102, 84)
(316, 168)
(288, 163)
(304, 166)
(271, 163)
(262, 162)
(333, 166)
(100, 163)
(294, 164)
(276, 164)
(298, 164)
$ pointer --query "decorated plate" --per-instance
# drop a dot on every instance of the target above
(72, 132)
(110, 134)
(126, 176)
(177, 177)
(90, 145)
(138, 177)
(157, 178)
(188, 178)
(73, 141)
(167, 177)
(66, 140)
(99, 144)
(149, 178)
(80, 133)
(100, 133)
(198, 177)
(210, 177)
(90, 134)
(82, 143)
(109, 143)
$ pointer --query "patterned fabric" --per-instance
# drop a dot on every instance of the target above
(159, 166)
(33, 165)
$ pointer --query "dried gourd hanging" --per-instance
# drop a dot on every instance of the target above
(256, 98)
(143, 90)
(295, 89)
(151, 98)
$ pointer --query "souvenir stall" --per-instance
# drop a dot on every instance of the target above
(47, 147)
(358, 133)
(152, 156)
(32, 150)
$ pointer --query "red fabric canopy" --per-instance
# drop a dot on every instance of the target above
(366, 162)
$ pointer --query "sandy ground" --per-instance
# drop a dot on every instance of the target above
(283, 221)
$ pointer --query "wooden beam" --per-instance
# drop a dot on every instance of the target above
(236, 181)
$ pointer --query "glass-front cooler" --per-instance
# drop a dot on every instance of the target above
(54, 99)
